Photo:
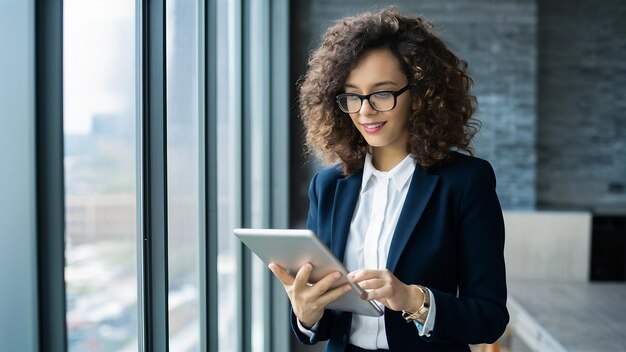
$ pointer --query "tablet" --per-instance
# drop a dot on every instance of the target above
(291, 249)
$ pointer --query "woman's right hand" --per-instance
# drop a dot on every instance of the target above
(309, 301)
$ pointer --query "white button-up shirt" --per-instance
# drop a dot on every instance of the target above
(371, 231)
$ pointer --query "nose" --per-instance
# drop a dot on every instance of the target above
(366, 108)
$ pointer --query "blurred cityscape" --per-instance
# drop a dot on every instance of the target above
(101, 253)
(101, 177)
(101, 264)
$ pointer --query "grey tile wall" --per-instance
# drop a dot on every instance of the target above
(581, 143)
(498, 39)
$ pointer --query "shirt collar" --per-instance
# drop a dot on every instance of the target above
(399, 175)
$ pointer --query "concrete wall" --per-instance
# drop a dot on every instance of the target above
(18, 281)
(547, 246)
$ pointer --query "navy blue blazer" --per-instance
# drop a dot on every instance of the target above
(449, 237)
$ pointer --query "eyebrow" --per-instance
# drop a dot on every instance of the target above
(375, 85)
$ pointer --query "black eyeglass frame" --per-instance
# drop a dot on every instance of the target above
(394, 93)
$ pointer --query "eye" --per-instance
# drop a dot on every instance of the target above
(382, 95)
(351, 98)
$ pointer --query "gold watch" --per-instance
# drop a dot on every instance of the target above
(422, 312)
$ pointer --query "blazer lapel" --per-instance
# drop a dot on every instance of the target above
(421, 188)
(346, 196)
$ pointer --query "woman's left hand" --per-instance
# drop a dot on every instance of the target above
(386, 288)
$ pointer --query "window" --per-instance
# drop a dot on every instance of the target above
(153, 92)
(183, 174)
(100, 175)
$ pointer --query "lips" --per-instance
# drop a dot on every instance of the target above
(373, 127)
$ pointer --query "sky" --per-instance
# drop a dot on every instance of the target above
(99, 60)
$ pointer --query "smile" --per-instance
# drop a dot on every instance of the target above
(373, 127)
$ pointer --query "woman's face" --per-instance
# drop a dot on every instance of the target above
(377, 70)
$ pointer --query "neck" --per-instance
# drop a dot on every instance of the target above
(385, 159)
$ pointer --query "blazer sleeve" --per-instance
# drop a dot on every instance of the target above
(324, 328)
(479, 313)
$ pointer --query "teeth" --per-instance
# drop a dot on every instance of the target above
(375, 125)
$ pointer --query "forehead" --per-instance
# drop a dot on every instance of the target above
(374, 66)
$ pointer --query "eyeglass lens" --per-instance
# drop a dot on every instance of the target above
(383, 101)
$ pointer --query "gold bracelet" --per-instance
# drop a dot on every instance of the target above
(422, 312)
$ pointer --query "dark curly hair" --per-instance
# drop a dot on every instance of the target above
(442, 105)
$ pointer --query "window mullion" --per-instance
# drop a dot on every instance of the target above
(154, 277)
(50, 174)
(208, 269)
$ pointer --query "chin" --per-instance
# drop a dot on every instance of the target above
(375, 143)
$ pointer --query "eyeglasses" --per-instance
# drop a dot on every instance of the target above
(383, 100)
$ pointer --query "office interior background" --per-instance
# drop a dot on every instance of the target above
(135, 135)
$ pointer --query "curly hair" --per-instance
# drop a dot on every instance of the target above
(441, 109)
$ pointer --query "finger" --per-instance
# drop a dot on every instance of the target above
(372, 284)
(332, 295)
(382, 292)
(364, 274)
(281, 274)
(324, 284)
(302, 277)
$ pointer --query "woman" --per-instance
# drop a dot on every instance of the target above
(417, 222)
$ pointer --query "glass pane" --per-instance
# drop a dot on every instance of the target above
(100, 175)
(183, 178)
(228, 174)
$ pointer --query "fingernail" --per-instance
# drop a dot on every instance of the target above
(347, 288)
(337, 275)
(308, 266)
